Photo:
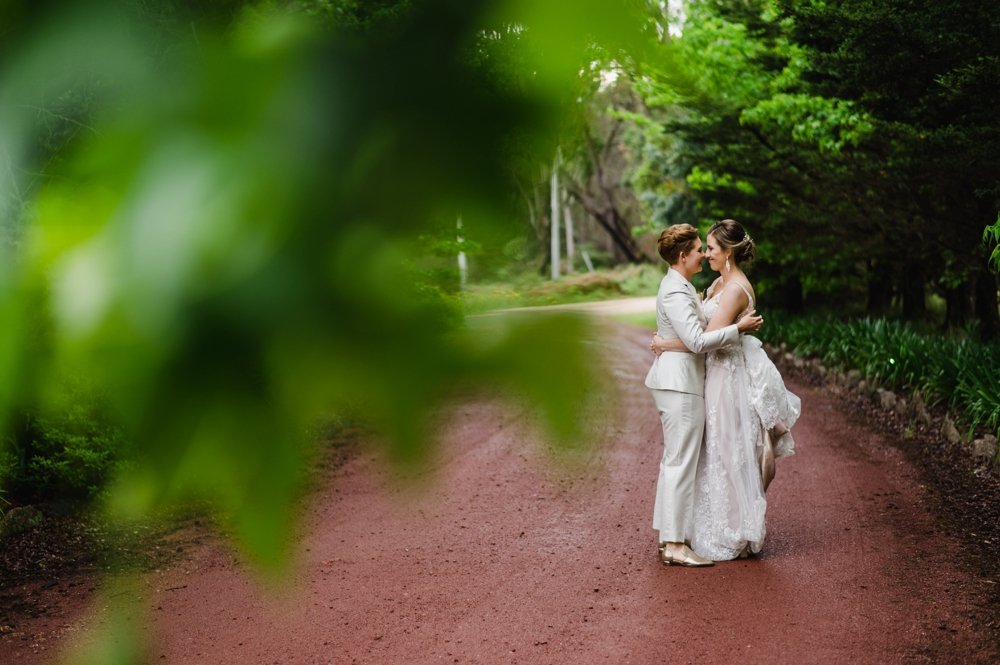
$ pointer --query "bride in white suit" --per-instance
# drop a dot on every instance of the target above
(677, 383)
(749, 412)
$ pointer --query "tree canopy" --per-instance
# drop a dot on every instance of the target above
(855, 139)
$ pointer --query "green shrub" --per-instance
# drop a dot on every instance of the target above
(65, 456)
(960, 373)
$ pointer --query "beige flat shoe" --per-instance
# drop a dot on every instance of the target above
(689, 559)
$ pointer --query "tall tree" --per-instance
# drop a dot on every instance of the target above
(856, 136)
(926, 71)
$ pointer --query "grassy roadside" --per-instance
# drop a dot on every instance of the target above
(535, 290)
(957, 372)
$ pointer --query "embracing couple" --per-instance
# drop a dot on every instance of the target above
(725, 411)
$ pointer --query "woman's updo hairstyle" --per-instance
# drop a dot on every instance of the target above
(676, 240)
(730, 234)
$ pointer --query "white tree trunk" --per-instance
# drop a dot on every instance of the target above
(554, 228)
(570, 250)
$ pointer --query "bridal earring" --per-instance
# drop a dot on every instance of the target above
(728, 267)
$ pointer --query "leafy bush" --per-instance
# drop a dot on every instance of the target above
(63, 456)
(957, 372)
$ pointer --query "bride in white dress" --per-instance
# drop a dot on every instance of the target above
(748, 412)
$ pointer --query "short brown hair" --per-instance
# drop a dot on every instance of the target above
(675, 240)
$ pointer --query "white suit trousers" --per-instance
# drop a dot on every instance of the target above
(683, 419)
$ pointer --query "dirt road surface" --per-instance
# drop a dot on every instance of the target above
(501, 556)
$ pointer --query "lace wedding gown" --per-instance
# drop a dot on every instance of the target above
(744, 398)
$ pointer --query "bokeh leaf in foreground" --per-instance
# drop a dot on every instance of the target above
(230, 252)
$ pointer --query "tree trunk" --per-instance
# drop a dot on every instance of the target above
(959, 305)
(599, 194)
(535, 203)
(611, 221)
(879, 290)
(570, 248)
(554, 219)
(986, 305)
(622, 234)
(914, 291)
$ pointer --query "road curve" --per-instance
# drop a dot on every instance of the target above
(498, 555)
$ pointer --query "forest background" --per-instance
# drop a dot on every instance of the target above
(230, 227)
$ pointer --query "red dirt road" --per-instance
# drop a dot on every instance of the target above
(504, 557)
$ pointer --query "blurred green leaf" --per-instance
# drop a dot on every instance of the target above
(234, 247)
(114, 639)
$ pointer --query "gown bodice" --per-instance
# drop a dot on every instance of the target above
(710, 305)
(711, 302)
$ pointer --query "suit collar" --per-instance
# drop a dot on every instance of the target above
(679, 278)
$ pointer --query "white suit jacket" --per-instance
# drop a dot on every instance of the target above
(678, 316)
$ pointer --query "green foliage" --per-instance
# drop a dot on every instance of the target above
(250, 233)
(68, 458)
(732, 81)
(838, 133)
(64, 449)
(937, 147)
(991, 237)
(352, 16)
(825, 125)
(957, 372)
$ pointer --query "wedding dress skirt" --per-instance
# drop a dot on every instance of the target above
(729, 503)
(775, 406)
(745, 401)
